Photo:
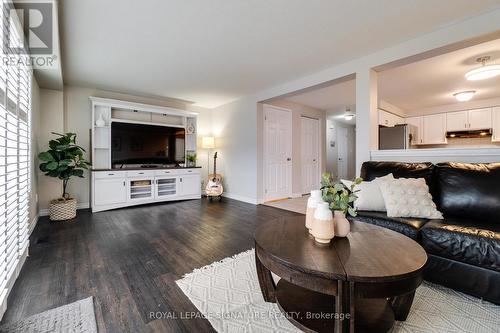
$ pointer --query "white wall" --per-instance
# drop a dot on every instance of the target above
(69, 111)
(235, 130)
(299, 110)
(51, 120)
(248, 107)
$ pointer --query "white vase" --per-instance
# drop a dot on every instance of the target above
(342, 226)
(100, 122)
(323, 229)
(312, 202)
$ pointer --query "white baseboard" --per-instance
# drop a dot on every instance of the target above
(83, 205)
(240, 198)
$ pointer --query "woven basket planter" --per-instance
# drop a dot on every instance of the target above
(62, 209)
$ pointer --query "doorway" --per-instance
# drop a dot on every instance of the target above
(311, 178)
(277, 153)
(342, 160)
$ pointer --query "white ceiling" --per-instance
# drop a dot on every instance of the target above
(433, 81)
(212, 52)
(334, 99)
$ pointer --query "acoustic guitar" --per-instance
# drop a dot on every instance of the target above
(214, 185)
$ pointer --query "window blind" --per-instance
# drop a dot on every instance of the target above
(15, 92)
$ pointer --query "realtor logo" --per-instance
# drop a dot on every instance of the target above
(28, 29)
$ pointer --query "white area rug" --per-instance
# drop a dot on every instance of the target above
(227, 293)
(77, 317)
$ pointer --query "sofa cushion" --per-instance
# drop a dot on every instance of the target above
(407, 226)
(470, 241)
(469, 190)
(371, 170)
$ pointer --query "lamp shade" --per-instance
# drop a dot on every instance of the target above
(208, 142)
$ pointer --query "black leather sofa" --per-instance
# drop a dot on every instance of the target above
(464, 248)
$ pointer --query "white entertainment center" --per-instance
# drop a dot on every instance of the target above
(120, 187)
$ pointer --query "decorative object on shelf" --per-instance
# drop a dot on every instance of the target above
(312, 203)
(100, 121)
(63, 160)
(340, 198)
(323, 228)
(191, 159)
(190, 129)
(483, 72)
(214, 184)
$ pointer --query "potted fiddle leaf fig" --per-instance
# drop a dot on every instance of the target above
(341, 199)
(64, 160)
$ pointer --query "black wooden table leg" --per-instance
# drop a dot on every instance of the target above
(266, 282)
(401, 305)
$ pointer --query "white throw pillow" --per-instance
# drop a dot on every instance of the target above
(369, 196)
(408, 197)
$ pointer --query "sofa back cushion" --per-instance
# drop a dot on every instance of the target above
(469, 190)
(371, 170)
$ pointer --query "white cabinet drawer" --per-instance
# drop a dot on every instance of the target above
(109, 174)
(190, 171)
(166, 172)
(139, 173)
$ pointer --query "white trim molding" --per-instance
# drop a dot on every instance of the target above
(240, 198)
(437, 155)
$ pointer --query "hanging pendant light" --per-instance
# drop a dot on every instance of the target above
(483, 72)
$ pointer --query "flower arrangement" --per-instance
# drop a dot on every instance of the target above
(339, 196)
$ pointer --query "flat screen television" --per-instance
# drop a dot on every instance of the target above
(146, 144)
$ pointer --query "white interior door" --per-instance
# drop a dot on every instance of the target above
(311, 178)
(342, 153)
(277, 153)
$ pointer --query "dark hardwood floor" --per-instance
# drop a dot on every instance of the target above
(129, 260)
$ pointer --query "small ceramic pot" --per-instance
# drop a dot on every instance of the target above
(323, 229)
(342, 226)
(312, 202)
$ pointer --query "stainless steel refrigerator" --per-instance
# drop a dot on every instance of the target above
(397, 137)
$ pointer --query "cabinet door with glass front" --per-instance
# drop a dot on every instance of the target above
(166, 187)
(140, 189)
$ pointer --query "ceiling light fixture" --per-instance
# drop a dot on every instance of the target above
(464, 96)
(348, 115)
(483, 72)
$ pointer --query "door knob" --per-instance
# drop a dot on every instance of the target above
(288, 159)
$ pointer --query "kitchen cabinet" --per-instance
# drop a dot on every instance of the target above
(388, 119)
(468, 120)
(457, 121)
(434, 129)
(415, 129)
(495, 115)
(480, 119)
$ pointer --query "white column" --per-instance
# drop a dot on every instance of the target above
(366, 115)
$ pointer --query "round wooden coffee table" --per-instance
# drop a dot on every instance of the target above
(361, 283)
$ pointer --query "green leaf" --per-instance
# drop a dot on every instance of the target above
(352, 212)
(51, 166)
(46, 156)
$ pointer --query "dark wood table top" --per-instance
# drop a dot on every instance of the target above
(368, 254)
